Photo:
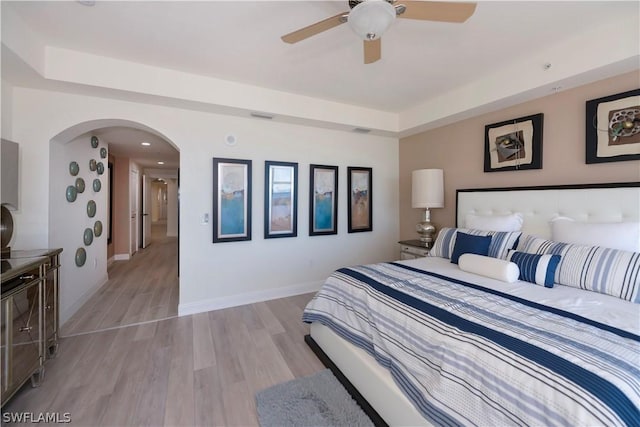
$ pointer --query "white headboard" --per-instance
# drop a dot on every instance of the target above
(618, 202)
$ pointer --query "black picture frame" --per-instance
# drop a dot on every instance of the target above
(514, 144)
(606, 142)
(323, 200)
(360, 203)
(231, 200)
(280, 199)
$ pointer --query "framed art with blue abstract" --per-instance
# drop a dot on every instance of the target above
(360, 208)
(232, 200)
(280, 199)
(323, 200)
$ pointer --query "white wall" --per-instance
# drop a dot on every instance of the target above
(228, 273)
(5, 107)
(68, 220)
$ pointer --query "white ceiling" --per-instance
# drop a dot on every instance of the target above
(240, 41)
(127, 142)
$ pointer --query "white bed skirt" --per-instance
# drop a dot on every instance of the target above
(372, 380)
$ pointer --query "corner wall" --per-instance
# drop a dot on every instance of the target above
(68, 221)
(458, 149)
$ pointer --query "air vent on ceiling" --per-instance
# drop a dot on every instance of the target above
(261, 115)
(362, 130)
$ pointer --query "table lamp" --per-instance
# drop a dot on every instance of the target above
(427, 191)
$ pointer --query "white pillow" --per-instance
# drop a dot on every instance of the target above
(509, 222)
(616, 235)
(489, 267)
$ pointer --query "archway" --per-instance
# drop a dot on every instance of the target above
(110, 198)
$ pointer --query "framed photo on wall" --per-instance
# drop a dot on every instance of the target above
(231, 200)
(280, 199)
(514, 144)
(360, 214)
(323, 200)
(613, 128)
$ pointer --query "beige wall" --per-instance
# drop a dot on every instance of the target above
(459, 150)
(121, 213)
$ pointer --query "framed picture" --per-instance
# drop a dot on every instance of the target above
(323, 200)
(232, 200)
(360, 216)
(280, 199)
(613, 128)
(513, 144)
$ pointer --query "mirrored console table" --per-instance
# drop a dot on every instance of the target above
(29, 316)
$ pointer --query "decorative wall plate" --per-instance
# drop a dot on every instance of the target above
(97, 185)
(81, 257)
(88, 236)
(92, 164)
(103, 153)
(94, 141)
(97, 228)
(91, 208)
(74, 168)
(80, 185)
(71, 193)
(100, 168)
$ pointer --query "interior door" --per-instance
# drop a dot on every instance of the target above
(133, 207)
(146, 211)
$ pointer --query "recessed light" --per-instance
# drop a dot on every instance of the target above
(161, 163)
(146, 144)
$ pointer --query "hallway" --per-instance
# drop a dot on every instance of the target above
(142, 289)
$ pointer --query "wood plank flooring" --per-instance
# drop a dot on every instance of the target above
(201, 370)
(142, 289)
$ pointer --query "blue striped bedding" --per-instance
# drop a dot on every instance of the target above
(466, 354)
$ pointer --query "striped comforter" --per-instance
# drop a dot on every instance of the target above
(469, 355)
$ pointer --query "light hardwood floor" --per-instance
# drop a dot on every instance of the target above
(201, 370)
(142, 289)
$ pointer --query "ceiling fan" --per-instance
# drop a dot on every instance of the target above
(369, 19)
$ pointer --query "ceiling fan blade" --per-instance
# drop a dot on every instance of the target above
(437, 10)
(313, 29)
(372, 50)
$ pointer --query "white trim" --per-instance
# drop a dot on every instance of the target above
(247, 298)
(66, 314)
(110, 261)
(121, 257)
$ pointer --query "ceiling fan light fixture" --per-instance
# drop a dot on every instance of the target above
(371, 18)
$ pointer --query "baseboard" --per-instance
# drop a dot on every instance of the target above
(247, 298)
(66, 314)
(121, 257)
(110, 261)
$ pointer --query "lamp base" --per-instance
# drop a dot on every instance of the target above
(426, 230)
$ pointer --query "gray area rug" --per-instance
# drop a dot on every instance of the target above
(316, 400)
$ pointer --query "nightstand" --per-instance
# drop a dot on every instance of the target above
(412, 249)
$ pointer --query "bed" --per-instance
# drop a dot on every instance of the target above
(424, 342)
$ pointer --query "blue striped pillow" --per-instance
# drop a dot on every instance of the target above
(595, 268)
(538, 269)
(501, 242)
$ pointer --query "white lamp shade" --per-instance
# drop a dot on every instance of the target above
(427, 188)
(371, 18)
